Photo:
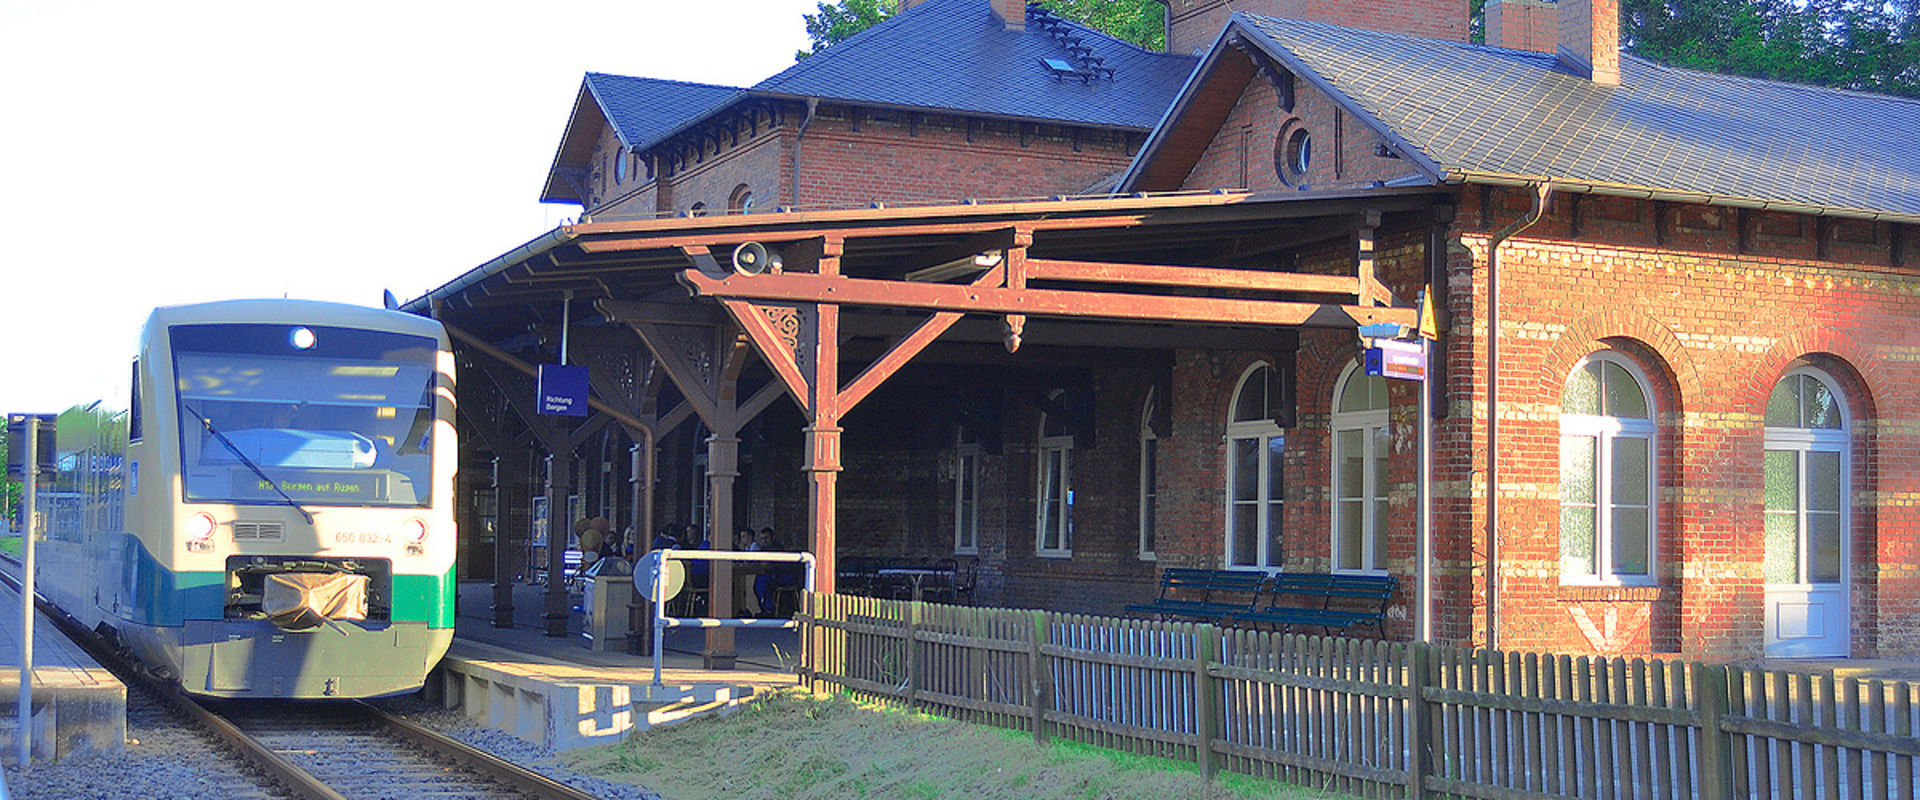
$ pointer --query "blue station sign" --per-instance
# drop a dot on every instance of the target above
(563, 390)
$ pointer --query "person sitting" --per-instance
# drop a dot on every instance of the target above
(664, 539)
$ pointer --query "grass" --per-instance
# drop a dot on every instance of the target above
(11, 545)
(800, 746)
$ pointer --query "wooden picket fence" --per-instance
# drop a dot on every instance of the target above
(1373, 718)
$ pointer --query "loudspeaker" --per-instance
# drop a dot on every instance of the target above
(753, 258)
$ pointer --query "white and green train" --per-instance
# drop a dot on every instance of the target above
(272, 516)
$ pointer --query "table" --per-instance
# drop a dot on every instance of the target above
(916, 576)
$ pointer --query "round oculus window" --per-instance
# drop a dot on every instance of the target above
(1295, 154)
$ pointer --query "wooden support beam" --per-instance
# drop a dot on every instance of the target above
(895, 358)
(633, 311)
(805, 288)
(695, 383)
(1016, 273)
(1195, 277)
(772, 237)
(974, 244)
(1372, 291)
(504, 357)
(772, 345)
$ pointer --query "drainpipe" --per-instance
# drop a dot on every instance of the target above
(793, 191)
(1541, 193)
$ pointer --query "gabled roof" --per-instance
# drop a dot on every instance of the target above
(642, 111)
(1472, 113)
(957, 55)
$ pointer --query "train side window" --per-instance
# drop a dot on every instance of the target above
(133, 407)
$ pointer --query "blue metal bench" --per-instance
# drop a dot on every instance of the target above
(1209, 594)
(1361, 600)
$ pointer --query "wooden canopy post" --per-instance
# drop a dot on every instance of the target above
(823, 442)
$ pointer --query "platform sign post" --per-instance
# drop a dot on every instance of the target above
(1389, 354)
(25, 447)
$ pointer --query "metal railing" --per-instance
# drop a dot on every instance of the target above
(654, 564)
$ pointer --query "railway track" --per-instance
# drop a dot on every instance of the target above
(353, 751)
(329, 751)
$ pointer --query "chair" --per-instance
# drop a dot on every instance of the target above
(964, 579)
(941, 587)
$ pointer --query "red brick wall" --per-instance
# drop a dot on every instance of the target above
(896, 161)
(1247, 151)
(887, 157)
(1195, 23)
(1714, 329)
(1523, 25)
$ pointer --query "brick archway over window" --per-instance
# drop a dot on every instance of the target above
(1838, 353)
(1593, 332)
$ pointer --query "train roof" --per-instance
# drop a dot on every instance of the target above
(310, 312)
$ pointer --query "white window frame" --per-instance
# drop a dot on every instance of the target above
(966, 495)
(1263, 431)
(1149, 478)
(1373, 490)
(1802, 441)
(1048, 448)
(1604, 431)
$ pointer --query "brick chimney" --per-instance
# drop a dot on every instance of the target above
(1523, 25)
(1013, 13)
(1589, 39)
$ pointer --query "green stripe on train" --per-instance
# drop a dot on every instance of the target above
(424, 598)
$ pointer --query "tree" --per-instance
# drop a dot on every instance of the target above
(1136, 21)
(1850, 44)
(837, 21)
(9, 489)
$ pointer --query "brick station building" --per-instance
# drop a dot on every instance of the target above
(1699, 286)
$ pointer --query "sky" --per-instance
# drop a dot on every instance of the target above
(157, 153)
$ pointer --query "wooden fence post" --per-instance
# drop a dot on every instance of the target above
(1206, 703)
(1042, 678)
(1710, 691)
(1419, 722)
(807, 631)
(913, 653)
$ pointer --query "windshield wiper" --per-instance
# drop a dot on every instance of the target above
(208, 424)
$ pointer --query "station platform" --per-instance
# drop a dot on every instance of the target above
(555, 691)
(78, 706)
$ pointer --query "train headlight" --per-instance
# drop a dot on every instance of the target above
(198, 532)
(414, 529)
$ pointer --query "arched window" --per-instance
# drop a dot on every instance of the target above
(741, 200)
(620, 167)
(1360, 448)
(966, 492)
(698, 210)
(1808, 477)
(1807, 442)
(1256, 486)
(1149, 476)
(1606, 473)
(1053, 513)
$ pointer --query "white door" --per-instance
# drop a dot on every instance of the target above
(1806, 563)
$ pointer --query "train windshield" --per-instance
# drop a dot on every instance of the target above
(324, 416)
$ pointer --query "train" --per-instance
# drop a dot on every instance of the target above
(272, 515)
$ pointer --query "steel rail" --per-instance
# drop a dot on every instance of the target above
(280, 769)
(495, 767)
(283, 771)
